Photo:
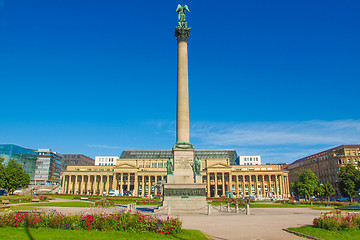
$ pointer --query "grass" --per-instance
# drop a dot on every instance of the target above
(22, 207)
(323, 208)
(57, 234)
(279, 205)
(63, 204)
(328, 235)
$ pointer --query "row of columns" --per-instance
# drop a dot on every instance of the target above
(142, 185)
(101, 184)
(280, 182)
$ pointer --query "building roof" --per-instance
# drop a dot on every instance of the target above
(165, 154)
(325, 152)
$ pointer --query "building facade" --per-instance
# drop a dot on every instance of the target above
(76, 160)
(25, 157)
(105, 160)
(142, 172)
(48, 167)
(249, 160)
(326, 165)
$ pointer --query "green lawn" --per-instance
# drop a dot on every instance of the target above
(280, 205)
(62, 204)
(328, 235)
(22, 207)
(57, 234)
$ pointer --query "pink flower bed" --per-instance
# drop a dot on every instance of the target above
(122, 221)
(335, 221)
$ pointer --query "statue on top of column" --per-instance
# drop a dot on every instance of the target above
(182, 15)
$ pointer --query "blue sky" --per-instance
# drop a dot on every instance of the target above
(278, 79)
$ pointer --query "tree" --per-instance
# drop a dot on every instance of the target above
(328, 190)
(13, 176)
(306, 185)
(2, 173)
(349, 181)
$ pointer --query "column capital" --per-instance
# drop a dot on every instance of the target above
(182, 33)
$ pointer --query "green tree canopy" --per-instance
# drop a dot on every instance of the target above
(328, 190)
(13, 176)
(306, 185)
(2, 173)
(349, 181)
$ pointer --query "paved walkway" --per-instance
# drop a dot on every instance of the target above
(262, 223)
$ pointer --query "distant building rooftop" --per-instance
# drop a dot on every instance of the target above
(165, 154)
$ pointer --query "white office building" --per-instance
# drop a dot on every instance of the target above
(250, 160)
(105, 160)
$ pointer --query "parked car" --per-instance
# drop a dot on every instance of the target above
(251, 198)
(342, 199)
(3, 192)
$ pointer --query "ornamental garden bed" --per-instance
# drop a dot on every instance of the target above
(333, 225)
(121, 221)
(13, 199)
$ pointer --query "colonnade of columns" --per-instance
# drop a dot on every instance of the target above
(101, 184)
(243, 185)
(217, 184)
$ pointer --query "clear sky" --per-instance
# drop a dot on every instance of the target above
(279, 79)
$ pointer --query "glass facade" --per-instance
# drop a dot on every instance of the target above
(25, 157)
(48, 167)
(165, 154)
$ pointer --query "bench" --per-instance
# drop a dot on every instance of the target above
(5, 201)
(84, 198)
(35, 200)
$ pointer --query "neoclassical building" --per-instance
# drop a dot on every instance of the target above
(326, 164)
(142, 172)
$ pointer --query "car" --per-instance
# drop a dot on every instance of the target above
(3, 192)
(342, 199)
(251, 198)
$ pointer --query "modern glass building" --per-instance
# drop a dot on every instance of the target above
(24, 156)
(48, 167)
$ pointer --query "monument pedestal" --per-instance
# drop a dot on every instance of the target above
(184, 191)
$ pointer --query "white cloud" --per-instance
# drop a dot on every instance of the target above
(277, 133)
(103, 146)
(274, 141)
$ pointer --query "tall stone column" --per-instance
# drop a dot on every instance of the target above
(114, 181)
(257, 186)
(208, 184)
(182, 118)
(107, 185)
(62, 183)
(184, 189)
(243, 185)
(121, 183)
(136, 194)
(76, 185)
(223, 184)
(88, 185)
(143, 186)
(216, 185)
(237, 185)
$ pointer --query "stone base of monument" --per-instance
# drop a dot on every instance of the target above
(183, 198)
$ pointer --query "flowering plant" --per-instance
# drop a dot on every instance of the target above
(335, 221)
(121, 221)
